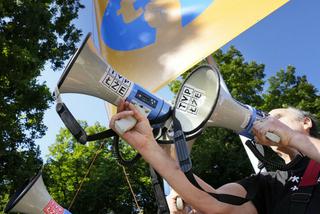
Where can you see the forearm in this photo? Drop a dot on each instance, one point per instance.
(307, 145)
(169, 169)
(204, 185)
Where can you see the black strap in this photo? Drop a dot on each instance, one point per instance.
(76, 130)
(158, 192)
(71, 123)
(101, 135)
(225, 198)
(273, 164)
(181, 147)
(186, 166)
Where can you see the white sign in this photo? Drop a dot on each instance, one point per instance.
(116, 82)
(190, 99)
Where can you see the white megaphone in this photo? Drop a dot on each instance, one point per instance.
(204, 100)
(87, 73)
(33, 198)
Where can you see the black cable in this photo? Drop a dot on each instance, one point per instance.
(118, 156)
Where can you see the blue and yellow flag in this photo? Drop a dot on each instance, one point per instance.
(151, 42)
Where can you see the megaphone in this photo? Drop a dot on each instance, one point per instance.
(87, 73)
(33, 198)
(204, 100)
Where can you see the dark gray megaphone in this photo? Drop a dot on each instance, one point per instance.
(87, 73)
(204, 100)
(33, 198)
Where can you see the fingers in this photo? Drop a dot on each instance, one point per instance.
(119, 116)
(121, 106)
(263, 128)
(125, 105)
(139, 117)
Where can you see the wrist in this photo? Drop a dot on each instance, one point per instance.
(296, 139)
(147, 147)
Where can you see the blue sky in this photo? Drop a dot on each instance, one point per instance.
(289, 36)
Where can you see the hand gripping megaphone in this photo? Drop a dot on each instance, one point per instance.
(33, 198)
(87, 73)
(203, 98)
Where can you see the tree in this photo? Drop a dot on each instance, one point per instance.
(105, 190)
(32, 33)
(287, 89)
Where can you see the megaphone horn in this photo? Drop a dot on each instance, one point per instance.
(33, 198)
(87, 73)
(204, 100)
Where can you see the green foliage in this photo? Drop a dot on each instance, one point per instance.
(218, 157)
(244, 80)
(105, 190)
(287, 89)
(31, 34)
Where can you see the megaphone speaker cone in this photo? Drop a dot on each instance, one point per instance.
(197, 98)
(33, 198)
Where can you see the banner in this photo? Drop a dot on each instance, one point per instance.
(151, 42)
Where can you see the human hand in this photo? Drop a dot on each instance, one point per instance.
(172, 203)
(141, 133)
(261, 128)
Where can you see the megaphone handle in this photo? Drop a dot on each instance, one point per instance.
(125, 124)
(179, 203)
(273, 137)
(129, 122)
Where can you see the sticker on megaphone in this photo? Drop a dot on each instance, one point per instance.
(146, 103)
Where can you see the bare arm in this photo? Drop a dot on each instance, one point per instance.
(141, 138)
(230, 188)
(308, 145)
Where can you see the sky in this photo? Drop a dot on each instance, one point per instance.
(289, 36)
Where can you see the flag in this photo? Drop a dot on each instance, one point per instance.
(151, 42)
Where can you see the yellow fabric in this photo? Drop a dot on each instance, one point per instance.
(176, 47)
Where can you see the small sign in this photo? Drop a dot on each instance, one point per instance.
(53, 208)
(115, 82)
(189, 100)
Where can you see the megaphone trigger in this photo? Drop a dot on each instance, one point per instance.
(273, 137)
(125, 124)
(179, 203)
